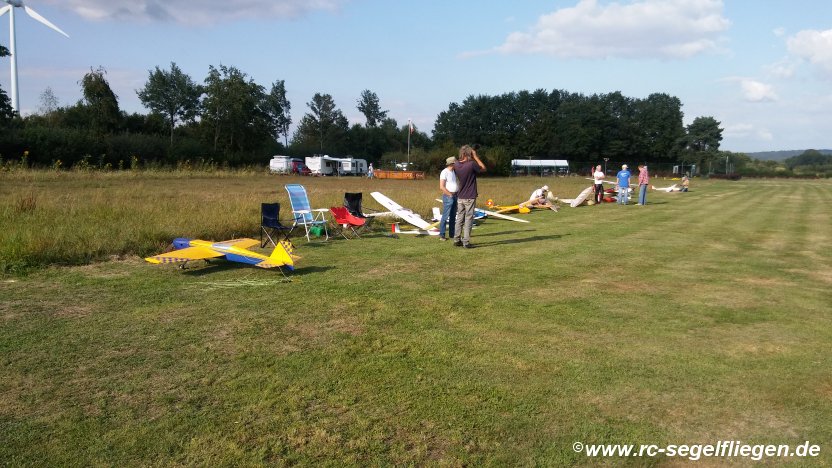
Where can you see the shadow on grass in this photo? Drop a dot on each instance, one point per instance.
(505, 233)
(515, 241)
(302, 271)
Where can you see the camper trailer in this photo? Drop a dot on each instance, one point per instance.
(352, 166)
(323, 165)
(281, 164)
(287, 165)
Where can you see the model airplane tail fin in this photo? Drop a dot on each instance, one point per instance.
(281, 256)
(394, 228)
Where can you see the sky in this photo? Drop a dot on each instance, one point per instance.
(762, 68)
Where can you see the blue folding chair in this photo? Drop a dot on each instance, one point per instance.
(302, 213)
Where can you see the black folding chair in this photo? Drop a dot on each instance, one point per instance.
(270, 224)
(352, 201)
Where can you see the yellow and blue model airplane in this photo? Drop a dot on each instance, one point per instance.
(235, 250)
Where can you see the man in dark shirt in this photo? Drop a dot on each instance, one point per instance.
(466, 169)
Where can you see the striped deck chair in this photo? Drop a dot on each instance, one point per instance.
(302, 213)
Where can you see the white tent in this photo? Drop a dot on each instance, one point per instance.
(539, 166)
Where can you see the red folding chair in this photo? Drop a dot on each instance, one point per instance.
(345, 221)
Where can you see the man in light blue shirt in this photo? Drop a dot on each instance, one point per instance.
(623, 185)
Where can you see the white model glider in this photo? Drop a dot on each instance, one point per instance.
(672, 188)
(407, 215)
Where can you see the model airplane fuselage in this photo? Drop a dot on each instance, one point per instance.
(236, 250)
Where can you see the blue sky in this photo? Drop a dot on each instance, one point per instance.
(763, 68)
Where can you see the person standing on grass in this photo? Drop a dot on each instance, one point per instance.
(598, 175)
(448, 185)
(370, 171)
(685, 184)
(643, 183)
(623, 177)
(466, 169)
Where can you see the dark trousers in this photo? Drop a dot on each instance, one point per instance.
(599, 193)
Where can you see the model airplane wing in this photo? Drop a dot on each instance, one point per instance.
(401, 212)
(244, 243)
(581, 197)
(185, 255)
(604, 181)
(497, 214)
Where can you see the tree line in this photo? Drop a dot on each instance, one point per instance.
(230, 119)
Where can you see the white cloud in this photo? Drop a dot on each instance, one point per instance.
(747, 130)
(753, 90)
(638, 29)
(779, 32)
(756, 91)
(192, 12)
(814, 46)
(782, 69)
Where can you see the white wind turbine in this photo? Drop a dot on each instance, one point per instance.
(11, 5)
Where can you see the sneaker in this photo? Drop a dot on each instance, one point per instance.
(468, 246)
(457, 243)
(442, 238)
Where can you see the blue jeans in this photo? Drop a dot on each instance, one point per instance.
(642, 194)
(623, 195)
(448, 215)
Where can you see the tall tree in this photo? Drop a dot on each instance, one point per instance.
(100, 101)
(325, 125)
(369, 105)
(6, 111)
(278, 108)
(48, 102)
(171, 93)
(233, 110)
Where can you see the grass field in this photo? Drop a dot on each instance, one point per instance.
(701, 317)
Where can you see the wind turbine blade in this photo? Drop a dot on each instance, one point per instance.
(4, 9)
(43, 20)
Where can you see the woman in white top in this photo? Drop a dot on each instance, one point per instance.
(598, 175)
(448, 185)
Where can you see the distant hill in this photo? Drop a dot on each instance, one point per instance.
(781, 155)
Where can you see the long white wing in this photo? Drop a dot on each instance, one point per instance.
(4, 9)
(403, 213)
(43, 20)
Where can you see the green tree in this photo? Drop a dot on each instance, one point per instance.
(369, 105)
(6, 111)
(324, 127)
(100, 101)
(48, 102)
(233, 110)
(702, 142)
(171, 93)
(278, 108)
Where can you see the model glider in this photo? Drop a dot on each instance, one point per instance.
(407, 215)
(480, 213)
(672, 188)
(236, 250)
(574, 202)
(604, 181)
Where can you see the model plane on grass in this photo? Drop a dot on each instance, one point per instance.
(480, 213)
(235, 250)
(672, 188)
(425, 228)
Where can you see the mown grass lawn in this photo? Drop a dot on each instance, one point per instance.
(701, 317)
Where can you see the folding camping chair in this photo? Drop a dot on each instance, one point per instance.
(345, 221)
(302, 213)
(270, 224)
(352, 201)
